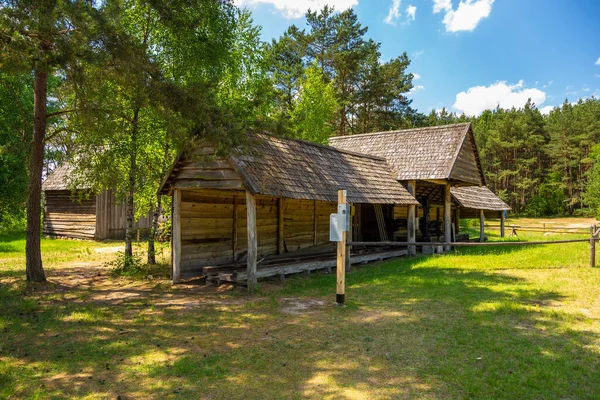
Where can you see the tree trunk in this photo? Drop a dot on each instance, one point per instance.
(155, 215)
(131, 186)
(33, 253)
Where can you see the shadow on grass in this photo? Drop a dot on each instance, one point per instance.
(407, 332)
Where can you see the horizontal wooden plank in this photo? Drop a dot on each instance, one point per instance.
(222, 184)
(208, 174)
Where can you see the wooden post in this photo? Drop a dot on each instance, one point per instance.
(234, 243)
(341, 260)
(592, 246)
(447, 216)
(280, 223)
(481, 226)
(176, 237)
(502, 224)
(412, 220)
(252, 245)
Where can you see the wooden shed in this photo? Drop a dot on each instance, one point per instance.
(81, 214)
(268, 205)
(479, 202)
(431, 162)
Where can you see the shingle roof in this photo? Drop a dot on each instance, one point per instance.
(304, 170)
(60, 178)
(478, 197)
(420, 153)
(298, 169)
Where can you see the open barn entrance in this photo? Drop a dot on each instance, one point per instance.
(377, 222)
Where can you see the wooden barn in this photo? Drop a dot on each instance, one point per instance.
(440, 165)
(265, 211)
(83, 215)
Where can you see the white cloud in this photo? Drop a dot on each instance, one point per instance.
(467, 15)
(416, 89)
(411, 12)
(416, 76)
(442, 5)
(393, 13)
(546, 110)
(479, 98)
(418, 54)
(597, 61)
(597, 75)
(297, 8)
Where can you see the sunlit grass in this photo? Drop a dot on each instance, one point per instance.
(494, 323)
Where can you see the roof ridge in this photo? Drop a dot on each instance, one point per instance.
(324, 146)
(400, 130)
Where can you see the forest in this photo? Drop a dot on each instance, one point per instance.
(117, 88)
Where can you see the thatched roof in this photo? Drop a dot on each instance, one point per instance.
(60, 178)
(298, 169)
(446, 152)
(478, 197)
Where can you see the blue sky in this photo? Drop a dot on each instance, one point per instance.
(473, 54)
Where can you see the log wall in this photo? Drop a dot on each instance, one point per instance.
(111, 218)
(214, 227)
(66, 215)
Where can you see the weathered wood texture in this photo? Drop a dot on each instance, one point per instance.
(111, 216)
(176, 236)
(69, 215)
(466, 166)
(207, 227)
(436, 152)
(207, 171)
(252, 241)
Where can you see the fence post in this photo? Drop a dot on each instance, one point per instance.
(592, 246)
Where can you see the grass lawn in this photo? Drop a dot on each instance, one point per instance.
(500, 323)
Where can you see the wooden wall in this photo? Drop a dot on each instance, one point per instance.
(65, 215)
(111, 218)
(98, 217)
(214, 227)
(465, 167)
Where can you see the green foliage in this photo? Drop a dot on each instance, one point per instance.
(16, 117)
(592, 188)
(125, 265)
(370, 94)
(550, 200)
(314, 108)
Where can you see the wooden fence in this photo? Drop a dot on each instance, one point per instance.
(594, 237)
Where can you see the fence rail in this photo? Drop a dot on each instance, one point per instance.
(594, 237)
(468, 244)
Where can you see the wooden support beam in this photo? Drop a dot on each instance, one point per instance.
(592, 246)
(235, 230)
(176, 237)
(502, 224)
(280, 223)
(341, 259)
(481, 226)
(252, 241)
(412, 219)
(447, 216)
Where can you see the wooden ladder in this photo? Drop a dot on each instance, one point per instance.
(381, 223)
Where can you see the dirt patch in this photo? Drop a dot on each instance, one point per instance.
(295, 306)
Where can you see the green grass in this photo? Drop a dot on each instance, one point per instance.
(501, 323)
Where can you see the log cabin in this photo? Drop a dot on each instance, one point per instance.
(266, 206)
(81, 214)
(440, 166)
